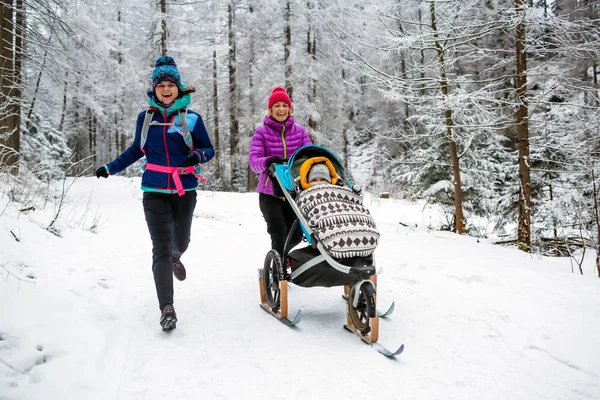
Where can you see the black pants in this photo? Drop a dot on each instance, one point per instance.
(279, 216)
(169, 220)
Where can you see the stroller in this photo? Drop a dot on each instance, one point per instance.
(312, 265)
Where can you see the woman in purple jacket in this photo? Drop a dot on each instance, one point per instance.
(274, 141)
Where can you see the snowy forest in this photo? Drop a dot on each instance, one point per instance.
(489, 108)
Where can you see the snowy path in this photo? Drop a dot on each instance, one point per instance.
(478, 321)
(224, 344)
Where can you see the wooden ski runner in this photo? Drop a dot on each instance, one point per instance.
(373, 334)
(282, 313)
(368, 338)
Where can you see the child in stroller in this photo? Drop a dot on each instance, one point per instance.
(341, 236)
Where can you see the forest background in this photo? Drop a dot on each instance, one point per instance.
(489, 108)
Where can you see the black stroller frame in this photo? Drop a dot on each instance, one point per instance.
(357, 276)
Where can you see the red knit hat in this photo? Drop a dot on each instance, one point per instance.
(279, 94)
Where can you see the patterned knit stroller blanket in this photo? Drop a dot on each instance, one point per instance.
(334, 212)
(339, 220)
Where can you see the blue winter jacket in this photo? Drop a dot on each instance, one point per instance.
(166, 146)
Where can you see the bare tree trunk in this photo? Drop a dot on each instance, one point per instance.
(216, 119)
(95, 137)
(524, 225)
(163, 25)
(422, 51)
(347, 140)
(6, 67)
(9, 108)
(64, 108)
(598, 258)
(90, 130)
(311, 49)
(459, 224)
(118, 131)
(595, 194)
(554, 224)
(123, 138)
(18, 80)
(77, 156)
(403, 73)
(37, 83)
(287, 48)
(110, 137)
(251, 180)
(234, 135)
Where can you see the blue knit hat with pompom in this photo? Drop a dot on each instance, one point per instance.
(165, 69)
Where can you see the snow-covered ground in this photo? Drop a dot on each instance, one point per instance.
(79, 315)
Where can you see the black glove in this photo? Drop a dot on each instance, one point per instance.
(192, 159)
(101, 172)
(275, 160)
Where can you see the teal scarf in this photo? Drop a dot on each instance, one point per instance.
(178, 104)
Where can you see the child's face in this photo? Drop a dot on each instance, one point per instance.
(166, 92)
(280, 111)
(319, 180)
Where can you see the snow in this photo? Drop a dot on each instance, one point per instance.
(79, 315)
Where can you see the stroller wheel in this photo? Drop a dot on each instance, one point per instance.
(364, 309)
(271, 273)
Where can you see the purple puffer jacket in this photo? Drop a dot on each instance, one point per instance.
(274, 138)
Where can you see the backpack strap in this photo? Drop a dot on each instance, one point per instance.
(185, 129)
(145, 127)
(187, 138)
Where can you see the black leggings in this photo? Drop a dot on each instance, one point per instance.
(279, 216)
(169, 220)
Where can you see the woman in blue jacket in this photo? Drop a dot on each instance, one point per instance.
(174, 141)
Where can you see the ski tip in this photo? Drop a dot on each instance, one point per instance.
(388, 353)
(294, 321)
(298, 317)
(392, 306)
(389, 310)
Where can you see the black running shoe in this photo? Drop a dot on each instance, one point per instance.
(179, 270)
(168, 318)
